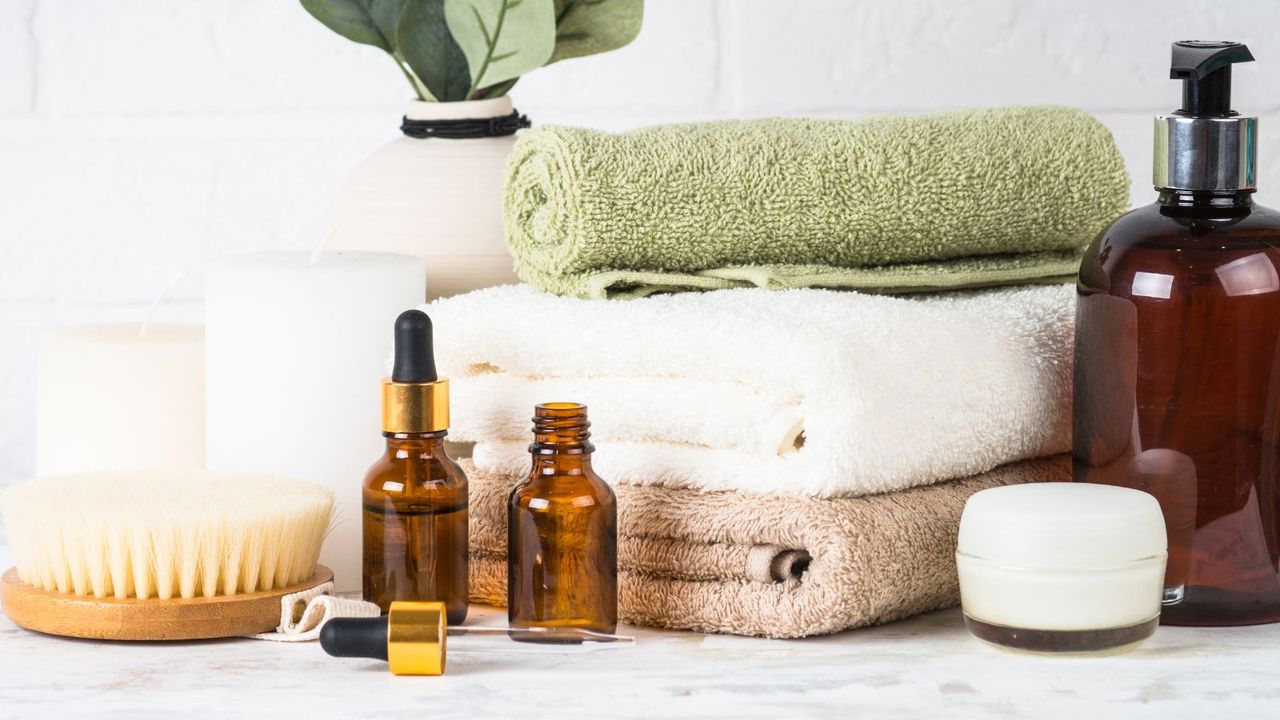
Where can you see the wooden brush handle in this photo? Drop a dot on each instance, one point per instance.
(110, 619)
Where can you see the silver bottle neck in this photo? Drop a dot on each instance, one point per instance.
(1216, 154)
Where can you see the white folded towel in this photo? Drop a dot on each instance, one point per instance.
(800, 391)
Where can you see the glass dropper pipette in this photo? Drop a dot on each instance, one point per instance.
(413, 635)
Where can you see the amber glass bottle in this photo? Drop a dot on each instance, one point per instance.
(415, 519)
(415, 497)
(1177, 372)
(562, 532)
(1178, 392)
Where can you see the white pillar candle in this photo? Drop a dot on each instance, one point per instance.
(111, 397)
(296, 347)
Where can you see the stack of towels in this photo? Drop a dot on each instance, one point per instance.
(793, 462)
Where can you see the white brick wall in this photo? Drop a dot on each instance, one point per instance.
(139, 137)
(17, 57)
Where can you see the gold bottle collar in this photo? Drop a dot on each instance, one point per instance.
(416, 634)
(415, 407)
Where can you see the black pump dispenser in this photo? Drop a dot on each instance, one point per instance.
(1206, 147)
(1204, 67)
(415, 360)
(1177, 346)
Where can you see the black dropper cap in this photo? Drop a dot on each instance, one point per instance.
(415, 360)
(355, 637)
(1204, 67)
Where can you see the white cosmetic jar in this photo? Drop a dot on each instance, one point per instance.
(1061, 567)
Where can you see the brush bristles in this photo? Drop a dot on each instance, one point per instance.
(180, 534)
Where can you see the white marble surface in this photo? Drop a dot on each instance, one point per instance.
(926, 667)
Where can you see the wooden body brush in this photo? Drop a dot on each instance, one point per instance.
(160, 555)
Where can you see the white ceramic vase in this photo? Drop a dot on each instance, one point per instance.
(437, 198)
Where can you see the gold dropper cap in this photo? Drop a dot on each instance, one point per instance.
(414, 398)
(419, 407)
(416, 633)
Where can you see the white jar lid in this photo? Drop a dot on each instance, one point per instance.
(1065, 524)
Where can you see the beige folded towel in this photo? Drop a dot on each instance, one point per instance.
(768, 565)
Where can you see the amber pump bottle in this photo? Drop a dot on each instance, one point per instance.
(1177, 371)
(562, 557)
(415, 496)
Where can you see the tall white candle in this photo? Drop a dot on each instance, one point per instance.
(296, 347)
(111, 397)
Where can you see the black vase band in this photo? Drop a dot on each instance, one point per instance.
(466, 128)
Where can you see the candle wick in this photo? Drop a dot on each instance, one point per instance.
(315, 254)
(163, 295)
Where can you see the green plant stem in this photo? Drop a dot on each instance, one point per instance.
(418, 87)
(493, 46)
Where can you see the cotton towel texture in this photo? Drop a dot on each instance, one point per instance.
(701, 561)
(963, 199)
(805, 392)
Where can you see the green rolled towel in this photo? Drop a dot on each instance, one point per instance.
(973, 198)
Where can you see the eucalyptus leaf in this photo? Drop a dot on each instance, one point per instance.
(371, 22)
(502, 39)
(453, 50)
(496, 90)
(434, 56)
(588, 27)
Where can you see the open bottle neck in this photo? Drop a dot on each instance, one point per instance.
(561, 436)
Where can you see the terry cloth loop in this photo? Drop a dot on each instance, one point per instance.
(466, 128)
(773, 564)
(318, 606)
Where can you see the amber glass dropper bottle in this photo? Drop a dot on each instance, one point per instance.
(562, 557)
(415, 496)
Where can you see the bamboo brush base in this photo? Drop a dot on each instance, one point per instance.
(111, 619)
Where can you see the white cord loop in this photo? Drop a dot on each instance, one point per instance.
(302, 614)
